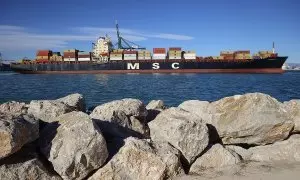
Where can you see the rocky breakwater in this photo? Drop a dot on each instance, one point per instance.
(243, 136)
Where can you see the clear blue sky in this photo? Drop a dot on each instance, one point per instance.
(205, 26)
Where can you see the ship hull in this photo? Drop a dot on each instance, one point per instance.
(271, 65)
(5, 67)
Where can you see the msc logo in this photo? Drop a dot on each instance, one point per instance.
(154, 66)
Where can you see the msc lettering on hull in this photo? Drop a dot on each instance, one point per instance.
(154, 66)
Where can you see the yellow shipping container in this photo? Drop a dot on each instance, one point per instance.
(174, 51)
(42, 57)
(115, 55)
(143, 51)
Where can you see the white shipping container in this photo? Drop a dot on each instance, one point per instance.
(116, 58)
(69, 59)
(159, 54)
(158, 57)
(174, 57)
(129, 58)
(144, 58)
(189, 57)
(129, 55)
(189, 54)
(84, 59)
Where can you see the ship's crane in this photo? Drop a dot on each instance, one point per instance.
(127, 44)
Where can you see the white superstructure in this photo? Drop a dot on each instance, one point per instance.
(102, 47)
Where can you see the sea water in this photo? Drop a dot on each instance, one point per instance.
(173, 89)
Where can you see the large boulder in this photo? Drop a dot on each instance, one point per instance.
(242, 152)
(74, 145)
(155, 104)
(184, 130)
(13, 108)
(75, 101)
(200, 108)
(154, 107)
(48, 110)
(284, 151)
(26, 164)
(15, 132)
(215, 158)
(253, 118)
(293, 111)
(140, 159)
(122, 118)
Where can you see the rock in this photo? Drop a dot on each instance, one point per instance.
(122, 118)
(184, 130)
(216, 157)
(155, 104)
(15, 132)
(74, 145)
(293, 111)
(287, 151)
(48, 110)
(14, 108)
(248, 171)
(253, 118)
(25, 164)
(140, 159)
(243, 153)
(200, 108)
(75, 101)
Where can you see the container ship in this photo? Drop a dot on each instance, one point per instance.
(128, 57)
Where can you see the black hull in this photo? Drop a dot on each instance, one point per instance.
(5, 67)
(273, 65)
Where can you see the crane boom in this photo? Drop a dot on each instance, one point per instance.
(126, 42)
(119, 37)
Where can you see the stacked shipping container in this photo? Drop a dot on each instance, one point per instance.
(130, 55)
(144, 55)
(159, 53)
(189, 55)
(116, 55)
(227, 55)
(56, 56)
(84, 56)
(71, 55)
(43, 56)
(175, 53)
(242, 55)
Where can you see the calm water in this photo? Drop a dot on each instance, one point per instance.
(172, 88)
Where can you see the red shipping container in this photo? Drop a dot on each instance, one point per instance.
(159, 50)
(84, 56)
(43, 54)
(175, 48)
(70, 54)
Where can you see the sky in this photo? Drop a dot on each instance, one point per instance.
(206, 26)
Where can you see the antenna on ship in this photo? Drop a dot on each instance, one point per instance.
(273, 48)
